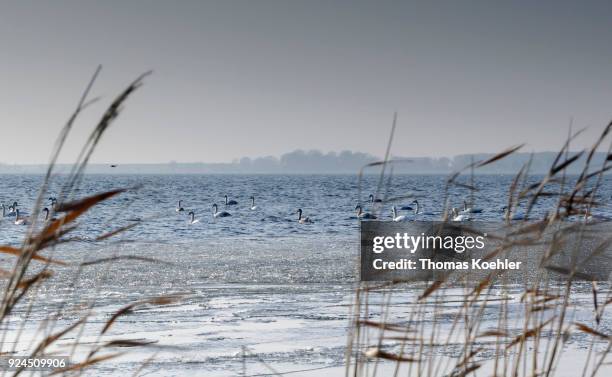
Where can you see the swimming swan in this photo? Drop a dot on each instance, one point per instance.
(512, 216)
(46, 211)
(253, 206)
(467, 209)
(179, 207)
(364, 215)
(396, 217)
(417, 209)
(219, 214)
(21, 220)
(231, 202)
(12, 210)
(456, 216)
(193, 220)
(303, 220)
(372, 200)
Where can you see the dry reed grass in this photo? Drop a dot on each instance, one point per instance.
(426, 340)
(22, 282)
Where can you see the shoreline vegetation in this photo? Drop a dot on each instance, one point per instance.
(539, 339)
(33, 263)
(316, 162)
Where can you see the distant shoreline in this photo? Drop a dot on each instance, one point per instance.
(372, 174)
(315, 162)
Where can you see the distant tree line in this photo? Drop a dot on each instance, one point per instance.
(345, 162)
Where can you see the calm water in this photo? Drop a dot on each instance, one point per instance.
(328, 200)
(257, 279)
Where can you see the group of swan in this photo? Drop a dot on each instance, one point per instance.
(21, 218)
(465, 213)
(191, 214)
(456, 215)
(14, 212)
(417, 210)
(217, 214)
(414, 206)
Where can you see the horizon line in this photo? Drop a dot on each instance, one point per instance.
(278, 157)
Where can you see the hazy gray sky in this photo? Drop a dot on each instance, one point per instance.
(253, 78)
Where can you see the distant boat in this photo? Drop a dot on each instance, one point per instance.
(113, 166)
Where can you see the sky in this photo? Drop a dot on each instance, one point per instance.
(257, 78)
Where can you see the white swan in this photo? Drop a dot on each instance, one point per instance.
(303, 220)
(467, 209)
(372, 200)
(219, 214)
(21, 220)
(364, 215)
(231, 202)
(417, 209)
(179, 207)
(456, 216)
(396, 217)
(193, 220)
(253, 206)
